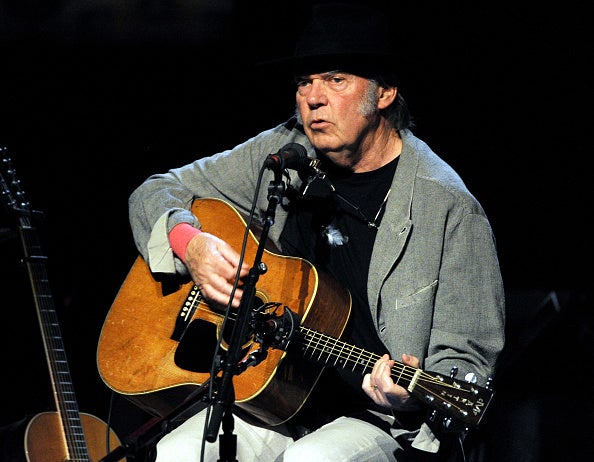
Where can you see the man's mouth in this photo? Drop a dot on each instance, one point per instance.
(317, 124)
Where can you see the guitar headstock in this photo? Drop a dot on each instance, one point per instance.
(13, 197)
(11, 194)
(453, 401)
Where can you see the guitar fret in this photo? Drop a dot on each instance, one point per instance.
(368, 363)
(339, 355)
(325, 349)
(71, 412)
(348, 356)
(397, 379)
(75, 427)
(318, 347)
(309, 339)
(357, 362)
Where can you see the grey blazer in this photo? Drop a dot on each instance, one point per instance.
(435, 287)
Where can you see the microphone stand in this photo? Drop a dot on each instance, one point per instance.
(147, 435)
(226, 395)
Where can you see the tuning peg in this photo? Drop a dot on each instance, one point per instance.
(471, 377)
(432, 416)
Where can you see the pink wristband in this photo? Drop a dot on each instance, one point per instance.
(180, 236)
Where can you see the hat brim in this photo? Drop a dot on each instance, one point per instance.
(363, 64)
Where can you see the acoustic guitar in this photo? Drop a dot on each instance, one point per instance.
(158, 340)
(65, 435)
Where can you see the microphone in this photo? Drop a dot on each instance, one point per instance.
(273, 330)
(292, 155)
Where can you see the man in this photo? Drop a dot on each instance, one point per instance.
(387, 218)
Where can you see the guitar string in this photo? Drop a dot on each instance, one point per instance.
(368, 358)
(371, 357)
(360, 353)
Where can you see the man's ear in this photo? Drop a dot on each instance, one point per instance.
(387, 96)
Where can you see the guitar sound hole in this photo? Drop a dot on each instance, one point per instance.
(197, 347)
(198, 344)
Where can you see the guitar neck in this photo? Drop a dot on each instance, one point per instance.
(336, 353)
(457, 401)
(52, 340)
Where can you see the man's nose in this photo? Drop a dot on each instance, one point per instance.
(317, 95)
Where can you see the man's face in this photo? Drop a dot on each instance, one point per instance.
(337, 110)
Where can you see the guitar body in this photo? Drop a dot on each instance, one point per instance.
(44, 440)
(159, 337)
(41, 439)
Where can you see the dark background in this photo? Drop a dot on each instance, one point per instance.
(95, 96)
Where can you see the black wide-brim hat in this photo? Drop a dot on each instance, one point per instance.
(343, 36)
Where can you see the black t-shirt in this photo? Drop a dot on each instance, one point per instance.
(333, 226)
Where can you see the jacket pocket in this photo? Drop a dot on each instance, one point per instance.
(421, 294)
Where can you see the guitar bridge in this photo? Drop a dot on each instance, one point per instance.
(186, 313)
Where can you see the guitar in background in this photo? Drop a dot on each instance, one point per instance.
(67, 434)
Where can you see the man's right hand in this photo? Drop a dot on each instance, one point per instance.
(212, 264)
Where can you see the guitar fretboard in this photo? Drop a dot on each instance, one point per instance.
(54, 345)
(460, 400)
(336, 353)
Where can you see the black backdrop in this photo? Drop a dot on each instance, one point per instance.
(97, 97)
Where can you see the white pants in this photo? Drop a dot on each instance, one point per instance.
(343, 440)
